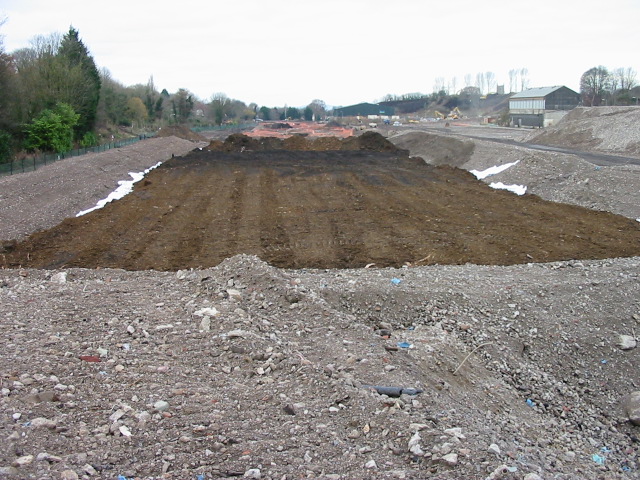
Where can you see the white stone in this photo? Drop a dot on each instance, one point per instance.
(627, 342)
(631, 407)
(450, 459)
(60, 277)
(252, 473)
(493, 448)
(532, 476)
(206, 312)
(371, 464)
(22, 461)
(161, 406)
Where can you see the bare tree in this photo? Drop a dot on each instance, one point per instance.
(453, 85)
(439, 85)
(467, 80)
(481, 83)
(490, 81)
(623, 78)
(594, 85)
(513, 80)
(524, 79)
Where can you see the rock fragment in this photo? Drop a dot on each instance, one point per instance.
(631, 407)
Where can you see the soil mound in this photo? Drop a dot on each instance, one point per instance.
(604, 129)
(436, 149)
(239, 142)
(180, 131)
(336, 209)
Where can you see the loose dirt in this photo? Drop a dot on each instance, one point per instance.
(366, 203)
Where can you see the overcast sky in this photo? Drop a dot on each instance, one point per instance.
(277, 52)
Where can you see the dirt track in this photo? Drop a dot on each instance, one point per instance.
(338, 209)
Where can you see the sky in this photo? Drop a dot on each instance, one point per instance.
(290, 52)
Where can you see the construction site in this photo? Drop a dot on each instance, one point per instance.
(304, 300)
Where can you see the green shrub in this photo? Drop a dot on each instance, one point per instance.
(89, 139)
(52, 130)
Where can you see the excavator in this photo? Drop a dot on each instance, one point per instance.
(455, 114)
(439, 116)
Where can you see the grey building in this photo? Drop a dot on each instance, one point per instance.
(541, 107)
(363, 109)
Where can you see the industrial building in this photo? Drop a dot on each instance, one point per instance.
(541, 107)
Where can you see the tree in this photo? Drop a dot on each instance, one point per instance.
(219, 107)
(7, 93)
(182, 104)
(137, 111)
(52, 130)
(524, 79)
(594, 85)
(86, 86)
(308, 113)
(265, 113)
(319, 109)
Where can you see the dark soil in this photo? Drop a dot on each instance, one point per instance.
(343, 208)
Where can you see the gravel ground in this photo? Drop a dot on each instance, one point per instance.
(43, 198)
(246, 370)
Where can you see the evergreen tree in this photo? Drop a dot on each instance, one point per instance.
(87, 86)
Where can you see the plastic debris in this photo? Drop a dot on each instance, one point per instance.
(404, 345)
(598, 459)
(531, 403)
(393, 391)
(396, 281)
(603, 361)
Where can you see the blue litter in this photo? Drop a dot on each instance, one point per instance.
(396, 281)
(404, 345)
(531, 403)
(603, 361)
(200, 476)
(598, 459)
(605, 450)
(122, 477)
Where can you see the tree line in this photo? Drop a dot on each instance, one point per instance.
(600, 86)
(53, 97)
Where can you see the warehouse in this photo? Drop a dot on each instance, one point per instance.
(541, 107)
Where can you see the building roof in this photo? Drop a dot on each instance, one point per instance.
(537, 92)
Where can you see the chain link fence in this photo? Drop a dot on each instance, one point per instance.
(34, 162)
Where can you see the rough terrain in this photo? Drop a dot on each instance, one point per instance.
(365, 202)
(249, 370)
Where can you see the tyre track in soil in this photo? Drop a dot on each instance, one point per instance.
(323, 210)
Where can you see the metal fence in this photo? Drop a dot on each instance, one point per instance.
(31, 163)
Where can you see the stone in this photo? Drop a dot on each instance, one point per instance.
(495, 449)
(627, 342)
(205, 324)
(532, 476)
(41, 422)
(414, 445)
(60, 277)
(450, 459)
(206, 312)
(371, 464)
(23, 461)
(68, 475)
(252, 473)
(631, 407)
(161, 406)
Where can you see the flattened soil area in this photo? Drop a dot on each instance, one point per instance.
(322, 209)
